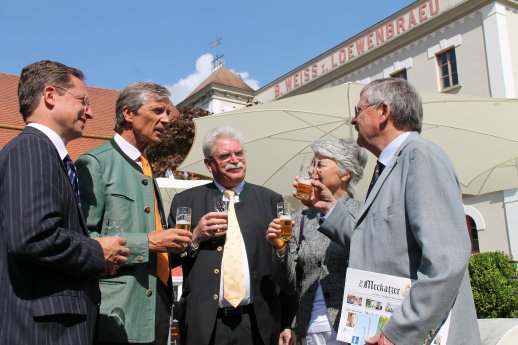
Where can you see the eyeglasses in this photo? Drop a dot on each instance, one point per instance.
(358, 110)
(225, 157)
(82, 98)
(322, 165)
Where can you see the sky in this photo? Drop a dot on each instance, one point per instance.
(116, 42)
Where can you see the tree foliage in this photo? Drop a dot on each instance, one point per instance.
(494, 288)
(176, 143)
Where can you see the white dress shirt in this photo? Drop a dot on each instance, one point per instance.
(389, 151)
(54, 137)
(129, 150)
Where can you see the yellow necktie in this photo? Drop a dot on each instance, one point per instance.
(233, 284)
(162, 259)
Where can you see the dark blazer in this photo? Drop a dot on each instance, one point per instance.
(202, 269)
(48, 264)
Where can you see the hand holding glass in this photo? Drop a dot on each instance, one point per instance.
(284, 215)
(183, 219)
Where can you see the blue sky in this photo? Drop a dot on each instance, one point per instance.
(116, 42)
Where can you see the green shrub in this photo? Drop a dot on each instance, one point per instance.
(493, 287)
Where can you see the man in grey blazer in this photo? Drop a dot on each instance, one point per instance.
(48, 264)
(412, 224)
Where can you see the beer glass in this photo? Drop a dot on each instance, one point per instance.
(221, 204)
(284, 215)
(114, 228)
(183, 219)
(304, 187)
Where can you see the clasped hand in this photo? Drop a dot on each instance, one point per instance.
(273, 232)
(212, 225)
(169, 240)
(115, 254)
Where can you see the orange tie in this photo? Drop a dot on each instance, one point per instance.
(162, 259)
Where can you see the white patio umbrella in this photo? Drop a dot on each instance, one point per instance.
(169, 186)
(478, 134)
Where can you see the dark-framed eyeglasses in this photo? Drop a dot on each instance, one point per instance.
(85, 101)
(358, 110)
(225, 157)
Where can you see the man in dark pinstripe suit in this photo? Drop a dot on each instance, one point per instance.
(48, 265)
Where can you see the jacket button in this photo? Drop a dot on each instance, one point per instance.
(140, 258)
(220, 248)
(147, 209)
(145, 181)
(216, 271)
(215, 297)
(149, 293)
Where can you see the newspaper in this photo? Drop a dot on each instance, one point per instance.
(369, 301)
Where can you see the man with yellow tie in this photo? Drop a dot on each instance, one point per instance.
(116, 184)
(229, 295)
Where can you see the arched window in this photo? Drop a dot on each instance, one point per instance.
(475, 222)
(473, 235)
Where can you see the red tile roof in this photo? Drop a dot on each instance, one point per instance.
(96, 132)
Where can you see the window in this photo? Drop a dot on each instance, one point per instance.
(448, 68)
(473, 235)
(400, 74)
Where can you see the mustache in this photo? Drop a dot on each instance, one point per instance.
(231, 166)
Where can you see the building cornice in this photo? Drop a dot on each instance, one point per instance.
(215, 87)
(451, 14)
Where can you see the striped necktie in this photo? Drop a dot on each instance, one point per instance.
(72, 175)
(162, 259)
(375, 176)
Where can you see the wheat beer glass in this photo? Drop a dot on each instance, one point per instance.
(183, 219)
(221, 204)
(304, 187)
(284, 215)
(114, 228)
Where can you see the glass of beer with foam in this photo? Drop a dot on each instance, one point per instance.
(183, 219)
(304, 187)
(284, 216)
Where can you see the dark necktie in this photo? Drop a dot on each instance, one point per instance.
(375, 176)
(72, 175)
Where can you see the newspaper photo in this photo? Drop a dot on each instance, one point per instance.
(369, 301)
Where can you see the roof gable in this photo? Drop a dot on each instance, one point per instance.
(223, 76)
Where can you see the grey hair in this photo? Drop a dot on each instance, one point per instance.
(133, 96)
(210, 138)
(348, 156)
(405, 102)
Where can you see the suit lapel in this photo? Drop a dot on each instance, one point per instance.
(39, 133)
(383, 177)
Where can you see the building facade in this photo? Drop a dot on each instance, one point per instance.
(446, 46)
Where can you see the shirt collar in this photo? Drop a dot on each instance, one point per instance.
(391, 149)
(53, 136)
(237, 189)
(129, 150)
